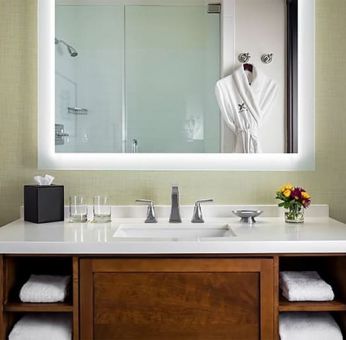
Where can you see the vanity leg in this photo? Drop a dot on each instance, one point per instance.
(267, 298)
(75, 288)
(87, 298)
(276, 296)
(2, 323)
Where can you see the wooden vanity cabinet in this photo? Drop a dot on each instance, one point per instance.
(219, 298)
(177, 299)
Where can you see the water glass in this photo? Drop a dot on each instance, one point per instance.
(102, 209)
(78, 209)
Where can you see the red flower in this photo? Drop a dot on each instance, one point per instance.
(297, 194)
(306, 203)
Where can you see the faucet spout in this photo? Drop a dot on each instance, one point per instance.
(175, 210)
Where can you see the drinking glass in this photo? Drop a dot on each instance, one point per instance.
(78, 209)
(101, 209)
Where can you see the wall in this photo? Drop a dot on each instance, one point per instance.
(18, 109)
(264, 27)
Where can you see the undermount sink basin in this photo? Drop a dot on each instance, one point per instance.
(181, 232)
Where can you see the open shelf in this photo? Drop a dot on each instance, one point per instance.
(331, 268)
(15, 270)
(19, 307)
(311, 306)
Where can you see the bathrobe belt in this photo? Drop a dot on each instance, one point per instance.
(249, 138)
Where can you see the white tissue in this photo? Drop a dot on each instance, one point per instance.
(44, 180)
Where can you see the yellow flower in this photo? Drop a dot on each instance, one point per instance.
(305, 195)
(287, 193)
(285, 187)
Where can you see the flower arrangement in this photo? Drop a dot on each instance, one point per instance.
(295, 199)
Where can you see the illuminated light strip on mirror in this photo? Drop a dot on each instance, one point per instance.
(303, 160)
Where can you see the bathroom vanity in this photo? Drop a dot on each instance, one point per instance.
(218, 280)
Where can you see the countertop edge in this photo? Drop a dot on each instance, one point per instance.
(273, 236)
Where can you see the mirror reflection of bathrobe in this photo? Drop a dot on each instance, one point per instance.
(244, 100)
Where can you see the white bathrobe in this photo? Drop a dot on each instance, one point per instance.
(244, 100)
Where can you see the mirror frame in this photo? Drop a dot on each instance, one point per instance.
(303, 100)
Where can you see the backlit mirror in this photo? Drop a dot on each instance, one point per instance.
(172, 77)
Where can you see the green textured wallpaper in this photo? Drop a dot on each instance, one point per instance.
(18, 107)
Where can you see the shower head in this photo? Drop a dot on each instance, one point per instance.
(73, 52)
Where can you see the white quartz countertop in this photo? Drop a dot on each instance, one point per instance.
(268, 235)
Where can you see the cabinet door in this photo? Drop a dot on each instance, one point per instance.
(173, 299)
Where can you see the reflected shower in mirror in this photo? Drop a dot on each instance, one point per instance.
(145, 77)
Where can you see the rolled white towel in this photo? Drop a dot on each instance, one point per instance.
(305, 286)
(44, 289)
(42, 327)
(308, 326)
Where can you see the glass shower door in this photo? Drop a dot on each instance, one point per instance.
(89, 57)
(172, 63)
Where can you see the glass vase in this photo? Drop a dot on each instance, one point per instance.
(294, 215)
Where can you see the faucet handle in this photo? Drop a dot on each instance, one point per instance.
(208, 200)
(145, 201)
(197, 216)
(151, 216)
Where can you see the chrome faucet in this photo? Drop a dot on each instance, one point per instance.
(175, 210)
(197, 216)
(151, 216)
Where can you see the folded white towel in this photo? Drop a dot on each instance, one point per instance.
(44, 289)
(42, 327)
(308, 326)
(305, 286)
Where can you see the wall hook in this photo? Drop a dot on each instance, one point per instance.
(244, 57)
(267, 58)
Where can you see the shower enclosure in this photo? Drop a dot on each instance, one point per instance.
(137, 78)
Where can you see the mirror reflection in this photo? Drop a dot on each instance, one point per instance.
(147, 77)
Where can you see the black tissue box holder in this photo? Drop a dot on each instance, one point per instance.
(43, 203)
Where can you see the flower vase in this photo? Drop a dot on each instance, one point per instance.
(295, 215)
